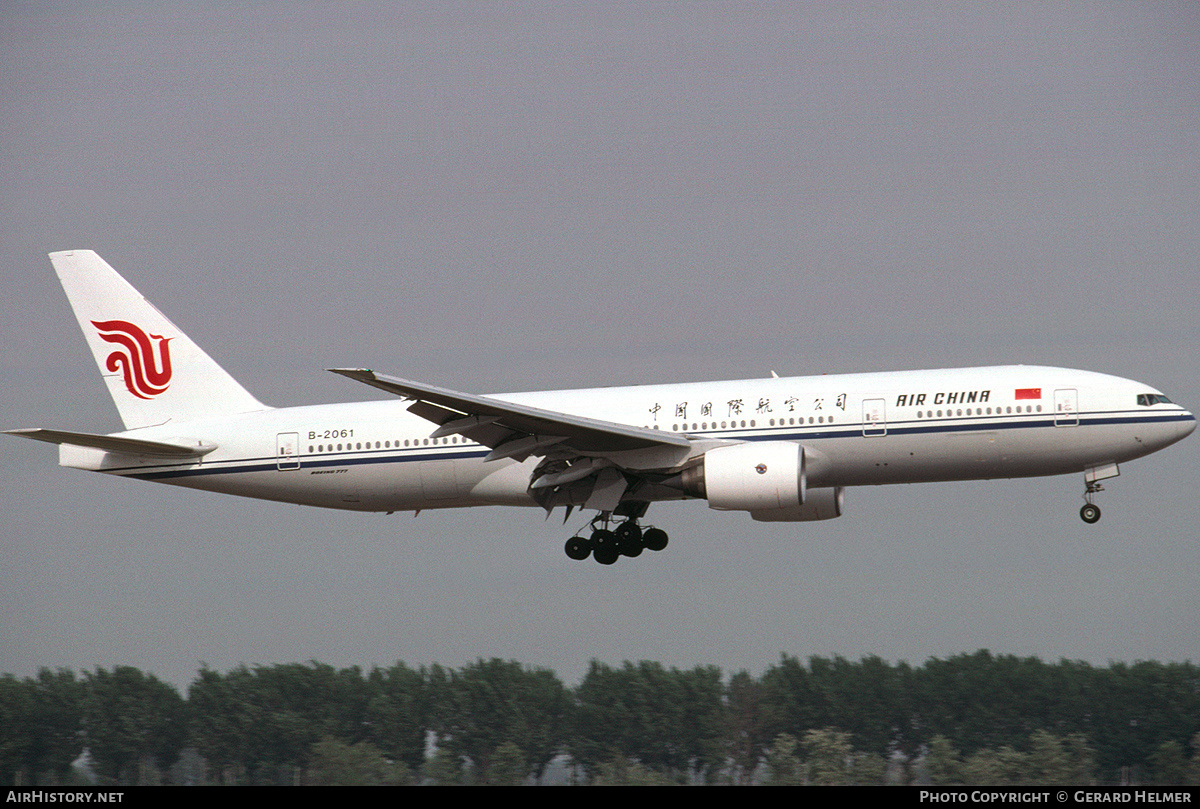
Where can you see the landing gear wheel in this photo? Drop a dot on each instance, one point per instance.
(578, 548)
(629, 538)
(1090, 513)
(654, 539)
(605, 549)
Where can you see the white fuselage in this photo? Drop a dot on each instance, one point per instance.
(856, 429)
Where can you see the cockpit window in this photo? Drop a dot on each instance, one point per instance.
(1148, 399)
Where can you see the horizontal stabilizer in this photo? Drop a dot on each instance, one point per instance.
(115, 443)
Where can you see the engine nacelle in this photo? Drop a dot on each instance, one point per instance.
(766, 478)
(754, 476)
(819, 504)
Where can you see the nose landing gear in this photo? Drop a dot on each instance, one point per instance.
(606, 546)
(1092, 476)
(1090, 512)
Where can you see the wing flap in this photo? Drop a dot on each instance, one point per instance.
(522, 447)
(463, 426)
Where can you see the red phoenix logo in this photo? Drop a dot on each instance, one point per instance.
(145, 375)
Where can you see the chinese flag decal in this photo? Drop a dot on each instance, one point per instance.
(1028, 393)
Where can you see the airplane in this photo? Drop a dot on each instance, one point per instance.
(779, 449)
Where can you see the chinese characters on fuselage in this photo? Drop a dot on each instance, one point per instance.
(736, 407)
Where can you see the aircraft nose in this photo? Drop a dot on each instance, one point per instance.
(1187, 425)
(1184, 425)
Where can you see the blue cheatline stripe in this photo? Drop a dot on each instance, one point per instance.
(810, 433)
(269, 464)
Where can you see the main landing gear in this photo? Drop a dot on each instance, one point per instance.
(606, 546)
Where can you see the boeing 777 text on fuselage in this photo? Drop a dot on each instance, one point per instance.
(781, 449)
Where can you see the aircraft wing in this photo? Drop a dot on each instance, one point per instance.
(515, 430)
(585, 462)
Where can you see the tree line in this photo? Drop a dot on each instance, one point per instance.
(972, 718)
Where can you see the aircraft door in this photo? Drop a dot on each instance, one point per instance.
(874, 417)
(1066, 407)
(287, 451)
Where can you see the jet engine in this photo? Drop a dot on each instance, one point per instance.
(766, 478)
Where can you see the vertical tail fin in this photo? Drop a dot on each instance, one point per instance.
(154, 372)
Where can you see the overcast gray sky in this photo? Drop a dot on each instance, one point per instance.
(519, 196)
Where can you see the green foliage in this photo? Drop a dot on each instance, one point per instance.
(670, 721)
(490, 703)
(868, 769)
(1168, 765)
(827, 757)
(1050, 760)
(622, 772)
(40, 721)
(133, 723)
(39, 727)
(870, 700)
(784, 768)
(1193, 770)
(57, 704)
(975, 718)
(397, 713)
(261, 725)
(16, 730)
(987, 767)
(942, 763)
(444, 769)
(335, 763)
(223, 722)
(1081, 760)
(508, 766)
(746, 727)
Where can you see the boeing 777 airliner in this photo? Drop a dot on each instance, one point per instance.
(781, 449)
